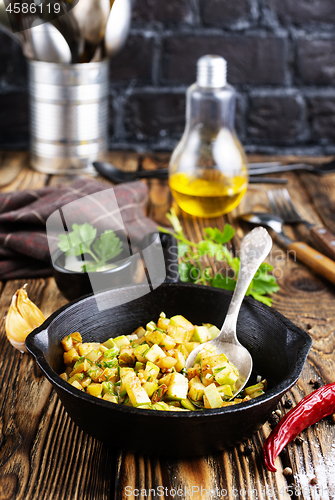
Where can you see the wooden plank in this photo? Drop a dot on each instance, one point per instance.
(26, 179)
(43, 454)
(322, 196)
(11, 164)
(159, 192)
(121, 159)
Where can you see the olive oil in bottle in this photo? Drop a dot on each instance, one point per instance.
(208, 175)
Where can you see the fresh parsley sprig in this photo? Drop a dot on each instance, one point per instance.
(214, 245)
(82, 240)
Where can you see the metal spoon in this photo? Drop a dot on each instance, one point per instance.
(92, 17)
(254, 248)
(118, 26)
(49, 45)
(119, 176)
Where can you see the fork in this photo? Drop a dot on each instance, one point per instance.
(282, 205)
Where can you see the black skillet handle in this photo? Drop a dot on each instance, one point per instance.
(170, 251)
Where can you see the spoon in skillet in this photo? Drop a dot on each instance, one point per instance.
(254, 248)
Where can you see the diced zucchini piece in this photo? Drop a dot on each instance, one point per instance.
(67, 343)
(213, 362)
(167, 362)
(179, 320)
(196, 390)
(77, 385)
(76, 337)
(154, 353)
(139, 366)
(207, 379)
(81, 367)
(107, 387)
(110, 397)
(225, 391)
(109, 343)
(178, 386)
(213, 330)
(151, 326)
(93, 355)
(162, 315)
(225, 375)
(121, 341)
(163, 323)
(183, 350)
(150, 387)
(131, 337)
(135, 391)
(140, 332)
(201, 334)
(111, 352)
(161, 339)
(140, 351)
(165, 380)
(254, 388)
(94, 389)
(187, 404)
(151, 371)
(95, 373)
(85, 382)
(181, 362)
(77, 376)
(108, 374)
(87, 347)
(191, 345)
(124, 370)
(179, 334)
(127, 355)
(213, 398)
(194, 371)
(70, 356)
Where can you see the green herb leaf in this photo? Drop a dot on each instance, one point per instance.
(224, 282)
(220, 236)
(107, 246)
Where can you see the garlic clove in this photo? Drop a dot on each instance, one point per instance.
(22, 318)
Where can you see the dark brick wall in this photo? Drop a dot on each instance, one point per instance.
(281, 59)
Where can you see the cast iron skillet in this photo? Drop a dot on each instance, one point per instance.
(278, 347)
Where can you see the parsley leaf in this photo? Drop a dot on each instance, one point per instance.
(220, 236)
(82, 240)
(214, 245)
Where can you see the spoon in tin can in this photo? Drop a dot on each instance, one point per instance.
(255, 247)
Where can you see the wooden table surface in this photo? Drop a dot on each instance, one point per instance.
(44, 456)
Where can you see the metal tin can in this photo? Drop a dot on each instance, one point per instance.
(68, 116)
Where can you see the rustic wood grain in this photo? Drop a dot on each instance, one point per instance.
(11, 163)
(44, 456)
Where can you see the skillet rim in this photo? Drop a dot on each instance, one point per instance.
(275, 392)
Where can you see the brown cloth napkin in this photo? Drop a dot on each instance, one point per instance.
(24, 250)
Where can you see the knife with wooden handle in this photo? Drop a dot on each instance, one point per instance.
(308, 255)
(324, 240)
(314, 259)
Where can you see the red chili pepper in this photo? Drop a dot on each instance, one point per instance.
(311, 409)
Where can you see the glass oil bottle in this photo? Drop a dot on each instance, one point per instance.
(208, 173)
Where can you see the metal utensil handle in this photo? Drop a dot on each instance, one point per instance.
(254, 248)
(254, 179)
(162, 173)
(324, 239)
(278, 169)
(314, 259)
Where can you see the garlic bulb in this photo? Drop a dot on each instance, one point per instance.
(22, 318)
